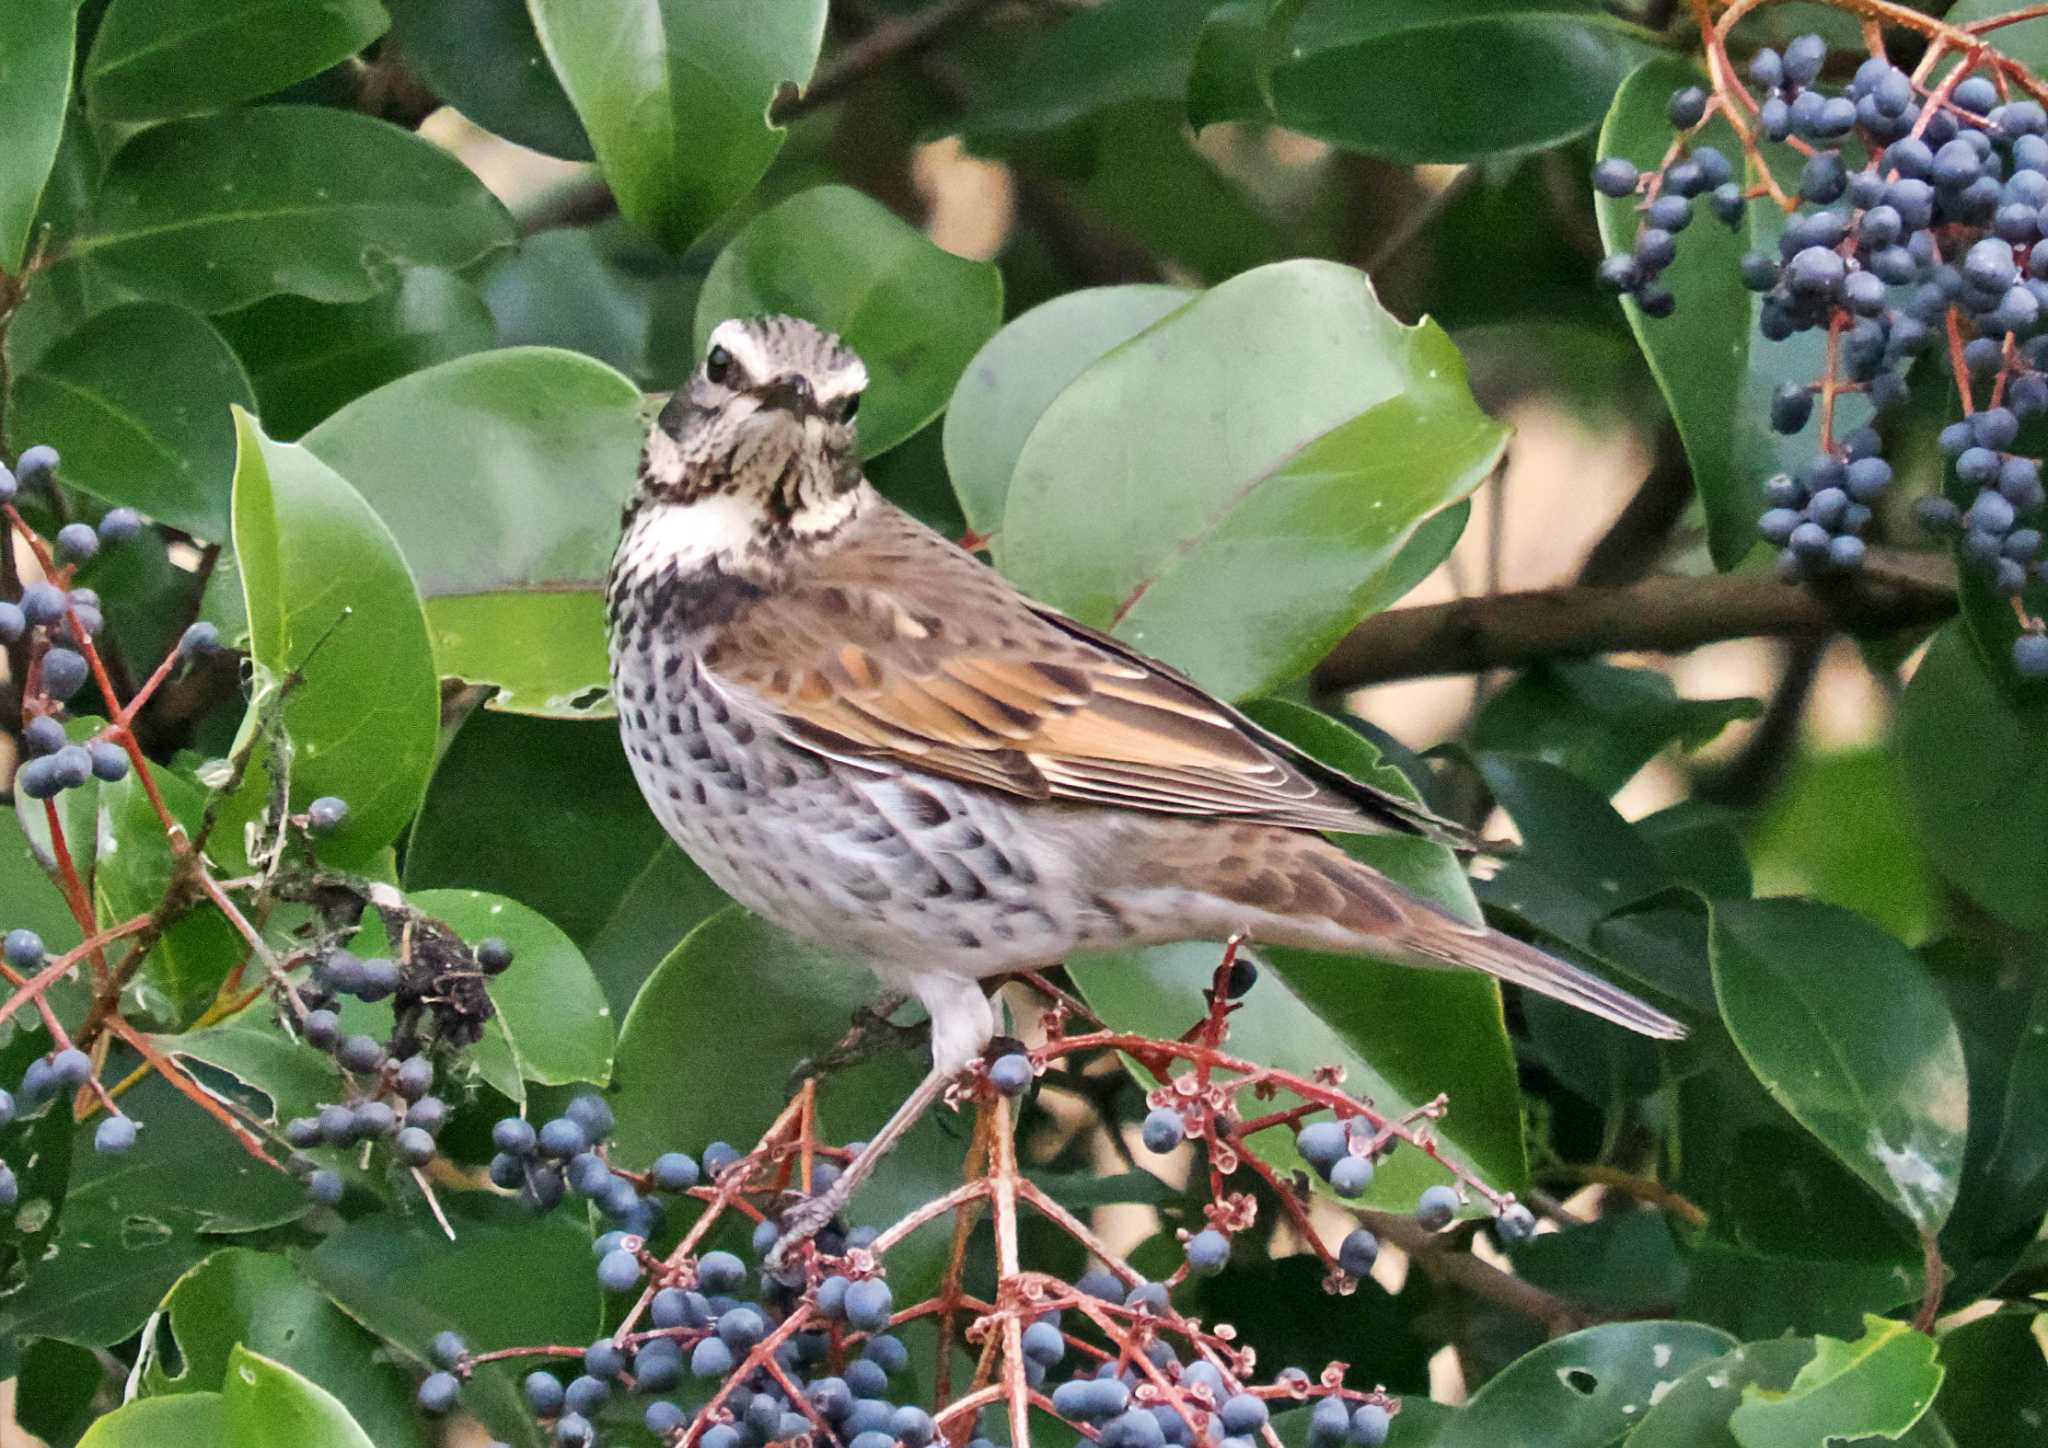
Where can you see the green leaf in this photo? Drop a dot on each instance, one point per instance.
(225, 210)
(1878, 1385)
(195, 1420)
(258, 1301)
(1584, 1390)
(56, 1390)
(1838, 828)
(327, 592)
(1227, 493)
(308, 360)
(1846, 1031)
(155, 59)
(914, 312)
(484, 58)
(1600, 721)
(133, 1224)
(1016, 375)
(1695, 1412)
(1622, 1265)
(675, 97)
(553, 1026)
(1994, 1380)
(1402, 1035)
(1105, 56)
(1979, 795)
(535, 450)
(137, 402)
(1715, 372)
(509, 1279)
(35, 76)
(265, 1402)
(249, 1047)
(1395, 81)
(739, 983)
(625, 894)
(184, 969)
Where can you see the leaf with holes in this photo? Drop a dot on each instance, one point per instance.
(1228, 490)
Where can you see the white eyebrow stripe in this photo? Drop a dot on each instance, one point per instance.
(736, 338)
(844, 383)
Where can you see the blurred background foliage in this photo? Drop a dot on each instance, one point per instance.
(1263, 331)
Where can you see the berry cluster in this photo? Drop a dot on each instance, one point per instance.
(1911, 233)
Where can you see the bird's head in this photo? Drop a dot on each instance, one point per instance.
(766, 421)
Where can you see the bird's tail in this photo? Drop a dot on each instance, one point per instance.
(1286, 887)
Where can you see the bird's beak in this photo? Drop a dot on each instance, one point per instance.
(792, 394)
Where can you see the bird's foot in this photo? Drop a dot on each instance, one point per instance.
(800, 1223)
(871, 1034)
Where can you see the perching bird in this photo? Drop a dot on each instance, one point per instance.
(872, 739)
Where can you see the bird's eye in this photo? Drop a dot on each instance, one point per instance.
(849, 407)
(718, 364)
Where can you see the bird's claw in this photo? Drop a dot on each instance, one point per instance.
(800, 1224)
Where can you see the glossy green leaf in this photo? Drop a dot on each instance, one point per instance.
(553, 1026)
(1715, 372)
(1623, 1265)
(1979, 795)
(535, 450)
(1017, 374)
(509, 1279)
(155, 59)
(133, 1224)
(184, 969)
(1102, 57)
(328, 594)
(251, 1047)
(1695, 1412)
(1879, 1385)
(1395, 81)
(914, 312)
(625, 893)
(264, 1403)
(307, 360)
(737, 979)
(1994, 1380)
(225, 210)
(675, 94)
(1838, 828)
(1584, 1390)
(1845, 1029)
(137, 402)
(484, 58)
(39, 1147)
(259, 1301)
(1226, 493)
(1402, 1035)
(195, 1420)
(1600, 721)
(35, 76)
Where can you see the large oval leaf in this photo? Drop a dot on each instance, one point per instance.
(154, 59)
(225, 210)
(1978, 794)
(193, 1420)
(675, 94)
(1227, 490)
(1845, 1029)
(553, 1026)
(265, 1403)
(534, 450)
(327, 592)
(1015, 377)
(1584, 1390)
(914, 311)
(1716, 373)
(484, 58)
(35, 76)
(1877, 1386)
(261, 1302)
(137, 402)
(1402, 1035)
(307, 360)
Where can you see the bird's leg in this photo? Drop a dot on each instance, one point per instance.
(809, 1217)
(871, 1033)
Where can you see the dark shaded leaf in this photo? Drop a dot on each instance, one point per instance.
(1600, 721)
(484, 58)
